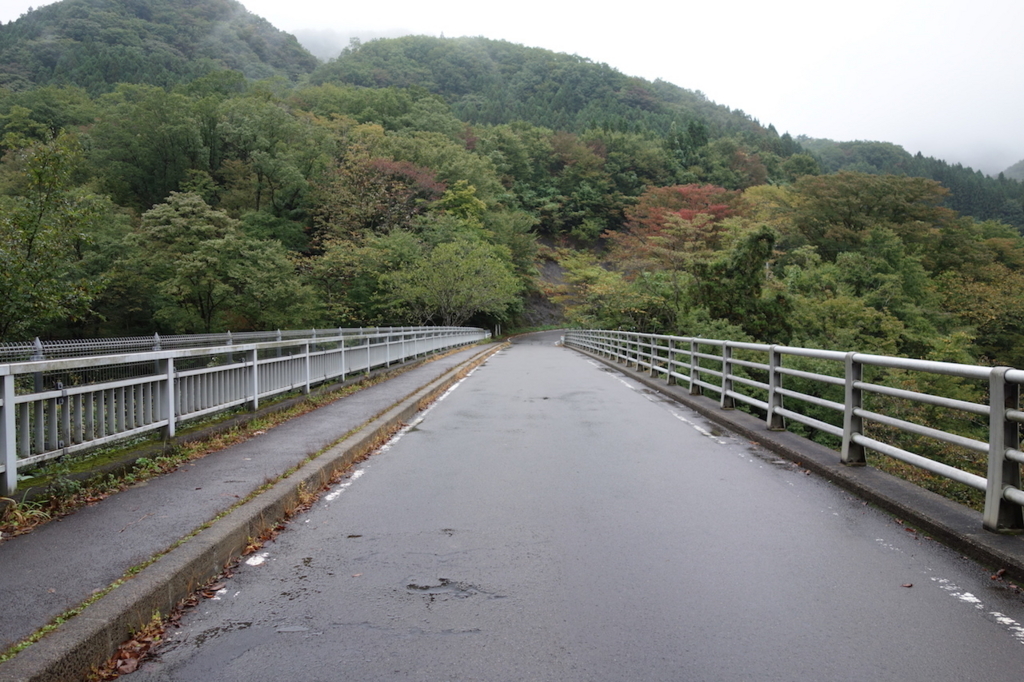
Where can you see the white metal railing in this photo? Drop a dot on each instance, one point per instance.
(713, 365)
(53, 407)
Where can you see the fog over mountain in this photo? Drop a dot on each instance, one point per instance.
(941, 77)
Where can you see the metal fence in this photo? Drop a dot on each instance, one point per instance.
(67, 397)
(830, 392)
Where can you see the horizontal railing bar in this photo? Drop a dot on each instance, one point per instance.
(911, 427)
(1015, 495)
(813, 399)
(958, 475)
(1015, 416)
(747, 363)
(747, 399)
(925, 398)
(812, 353)
(930, 366)
(705, 384)
(192, 414)
(746, 345)
(810, 421)
(79, 389)
(750, 382)
(90, 361)
(201, 371)
(706, 356)
(813, 376)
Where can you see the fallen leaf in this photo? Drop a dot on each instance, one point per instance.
(128, 665)
(356, 575)
(908, 584)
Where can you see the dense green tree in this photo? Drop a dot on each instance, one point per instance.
(204, 274)
(146, 140)
(45, 223)
(455, 282)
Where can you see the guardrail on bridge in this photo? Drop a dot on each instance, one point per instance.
(65, 397)
(756, 379)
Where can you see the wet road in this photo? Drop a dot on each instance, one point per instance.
(550, 520)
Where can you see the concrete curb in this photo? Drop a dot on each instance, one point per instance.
(952, 524)
(88, 640)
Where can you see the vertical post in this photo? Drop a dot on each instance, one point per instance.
(254, 380)
(652, 355)
(853, 423)
(727, 401)
(8, 448)
(694, 368)
(669, 363)
(305, 354)
(37, 405)
(156, 347)
(775, 421)
(343, 372)
(1001, 515)
(167, 400)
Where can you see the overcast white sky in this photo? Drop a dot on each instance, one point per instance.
(944, 77)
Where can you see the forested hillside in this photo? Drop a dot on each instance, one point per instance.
(971, 192)
(425, 180)
(1016, 171)
(96, 44)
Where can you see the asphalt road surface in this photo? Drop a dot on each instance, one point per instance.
(551, 520)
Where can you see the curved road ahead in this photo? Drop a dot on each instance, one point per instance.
(550, 520)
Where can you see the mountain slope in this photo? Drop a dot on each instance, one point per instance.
(95, 44)
(1016, 171)
(493, 82)
(971, 192)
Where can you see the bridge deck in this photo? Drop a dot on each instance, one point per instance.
(551, 520)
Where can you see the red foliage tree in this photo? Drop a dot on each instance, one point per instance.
(684, 201)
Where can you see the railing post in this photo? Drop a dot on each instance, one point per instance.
(775, 421)
(853, 424)
(343, 344)
(37, 405)
(7, 440)
(695, 388)
(254, 379)
(1001, 515)
(727, 401)
(168, 402)
(305, 355)
(669, 359)
(156, 347)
